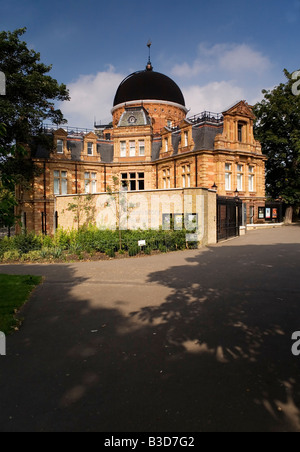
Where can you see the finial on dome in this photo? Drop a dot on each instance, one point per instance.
(149, 66)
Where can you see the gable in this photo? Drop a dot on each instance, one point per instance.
(242, 108)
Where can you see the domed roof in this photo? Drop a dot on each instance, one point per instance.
(148, 85)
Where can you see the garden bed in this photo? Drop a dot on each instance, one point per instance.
(90, 245)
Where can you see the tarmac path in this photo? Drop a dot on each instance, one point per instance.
(193, 341)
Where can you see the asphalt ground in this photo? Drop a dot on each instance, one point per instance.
(193, 341)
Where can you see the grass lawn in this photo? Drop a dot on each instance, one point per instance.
(14, 292)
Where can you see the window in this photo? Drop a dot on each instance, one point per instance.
(166, 145)
(90, 183)
(166, 179)
(142, 148)
(251, 178)
(135, 181)
(90, 148)
(242, 130)
(228, 177)
(186, 139)
(60, 182)
(186, 176)
(170, 124)
(60, 147)
(132, 148)
(240, 177)
(123, 149)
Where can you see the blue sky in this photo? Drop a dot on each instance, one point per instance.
(218, 52)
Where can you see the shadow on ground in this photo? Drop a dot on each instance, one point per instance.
(215, 355)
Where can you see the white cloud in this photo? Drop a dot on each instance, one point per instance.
(228, 58)
(215, 96)
(186, 70)
(91, 97)
(243, 58)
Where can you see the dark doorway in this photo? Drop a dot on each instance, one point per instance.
(230, 217)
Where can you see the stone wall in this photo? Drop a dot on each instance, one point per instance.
(143, 210)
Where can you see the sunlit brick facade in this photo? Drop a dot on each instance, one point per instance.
(151, 144)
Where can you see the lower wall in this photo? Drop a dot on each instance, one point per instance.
(143, 210)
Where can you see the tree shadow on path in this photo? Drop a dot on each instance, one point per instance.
(227, 325)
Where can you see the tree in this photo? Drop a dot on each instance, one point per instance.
(84, 210)
(29, 101)
(277, 128)
(118, 200)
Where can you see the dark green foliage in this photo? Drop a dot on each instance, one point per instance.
(277, 128)
(15, 291)
(24, 243)
(31, 94)
(92, 240)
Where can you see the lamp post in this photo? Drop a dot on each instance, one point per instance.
(237, 211)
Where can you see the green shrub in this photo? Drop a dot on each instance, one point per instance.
(32, 256)
(61, 239)
(162, 248)
(110, 253)
(12, 255)
(24, 243)
(46, 253)
(57, 253)
(133, 250)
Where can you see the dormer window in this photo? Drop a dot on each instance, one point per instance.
(241, 129)
(60, 146)
(186, 139)
(166, 145)
(90, 148)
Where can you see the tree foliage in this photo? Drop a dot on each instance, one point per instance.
(30, 99)
(278, 130)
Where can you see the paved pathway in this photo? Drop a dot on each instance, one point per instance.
(189, 341)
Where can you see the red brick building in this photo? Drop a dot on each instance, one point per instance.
(151, 144)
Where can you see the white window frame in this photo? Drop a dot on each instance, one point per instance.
(60, 146)
(87, 180)
(90, 182)
(60, 179)
(166, 144)
(240, 177)
(94, 182)
(123, 146)
(228, 176)
(186, 139)
(90, 149)
(251, 179)
(142, 148)
(132, 148)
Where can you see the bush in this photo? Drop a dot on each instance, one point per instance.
(32, 256)
(24, 243)
(57, 253)
(110, 253)
(133, 250)
(12, 255)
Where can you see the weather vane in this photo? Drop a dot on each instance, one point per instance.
(149, 44)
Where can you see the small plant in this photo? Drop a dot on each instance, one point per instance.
(57, 253)
(110, 253)
(34, 256)
(133, 250)
(45, 253)
(162, 248)
(12, 255)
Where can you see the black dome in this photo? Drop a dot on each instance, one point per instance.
(148, 85)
